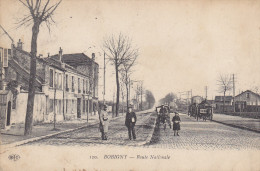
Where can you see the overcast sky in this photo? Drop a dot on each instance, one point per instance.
(183, 45)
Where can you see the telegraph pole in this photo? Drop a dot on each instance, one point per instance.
(142, 96)
(206, 92)
(129, 97)
(234, 92)
(104, 91)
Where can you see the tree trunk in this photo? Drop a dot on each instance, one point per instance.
(117, 89)
(31, 92)
(127, 93)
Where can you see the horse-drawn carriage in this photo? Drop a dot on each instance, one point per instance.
(203, 110)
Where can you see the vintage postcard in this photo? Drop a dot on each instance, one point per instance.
(129, 85)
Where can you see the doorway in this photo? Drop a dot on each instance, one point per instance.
(8, 119)
(78, 108)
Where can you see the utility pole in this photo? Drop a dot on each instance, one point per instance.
(191, 95)
(113, 104)
(129, 101)
(206, 88)
(141, 95)
(104, 93)
(234, 92)
(188, 98)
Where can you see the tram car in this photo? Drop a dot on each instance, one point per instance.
(204, 111)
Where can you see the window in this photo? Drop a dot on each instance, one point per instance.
(83, 84)
(84, 106)
(72, 106)
(72, 84)
(60, 81)
(50, 105)
(86, 86)
(66, 109)
(5, 58)
(56, 80)
(247, 95)
(67, 88)
(1, 54)
(51, 78)
(79, 85)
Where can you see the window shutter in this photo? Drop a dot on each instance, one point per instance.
(5, 58)
(1, 54)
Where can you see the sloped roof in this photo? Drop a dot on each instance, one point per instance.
(55, 63)
(25, 74)
(248, 91)
(74, 59)
(220, 98)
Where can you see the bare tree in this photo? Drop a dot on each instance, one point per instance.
(224, 84)
(38, 13)
(121, 53)
(126, 72)
(123, 92)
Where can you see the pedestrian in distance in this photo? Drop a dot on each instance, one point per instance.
(176, 123)
(130, 121)
(104, 122)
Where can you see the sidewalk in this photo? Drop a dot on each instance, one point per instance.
(15, 135)
(16, 132)
(238, 122)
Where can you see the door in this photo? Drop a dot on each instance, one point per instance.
(78, 108)
(8, 119)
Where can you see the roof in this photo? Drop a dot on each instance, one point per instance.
(249, 91)
(75, 59)
(24, 73)
(57, 64)
(221, 98)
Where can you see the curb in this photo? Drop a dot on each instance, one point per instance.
(236, 126)
(148, 139)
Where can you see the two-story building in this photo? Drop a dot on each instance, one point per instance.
(67, 91)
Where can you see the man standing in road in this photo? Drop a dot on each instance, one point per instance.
(130, 121)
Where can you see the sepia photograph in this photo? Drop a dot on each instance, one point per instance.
(147, 85)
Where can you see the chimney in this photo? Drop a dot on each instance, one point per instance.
(60, 54)
(93, 57)
(20, 45)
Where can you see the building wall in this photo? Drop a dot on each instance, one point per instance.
(39, 110)
(249, 97)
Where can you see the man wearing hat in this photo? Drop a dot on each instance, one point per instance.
(130, 121)
(104, 122)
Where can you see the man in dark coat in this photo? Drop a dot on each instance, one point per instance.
(130, 121)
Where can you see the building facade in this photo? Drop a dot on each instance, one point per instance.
(67, 91)
(248, 97)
